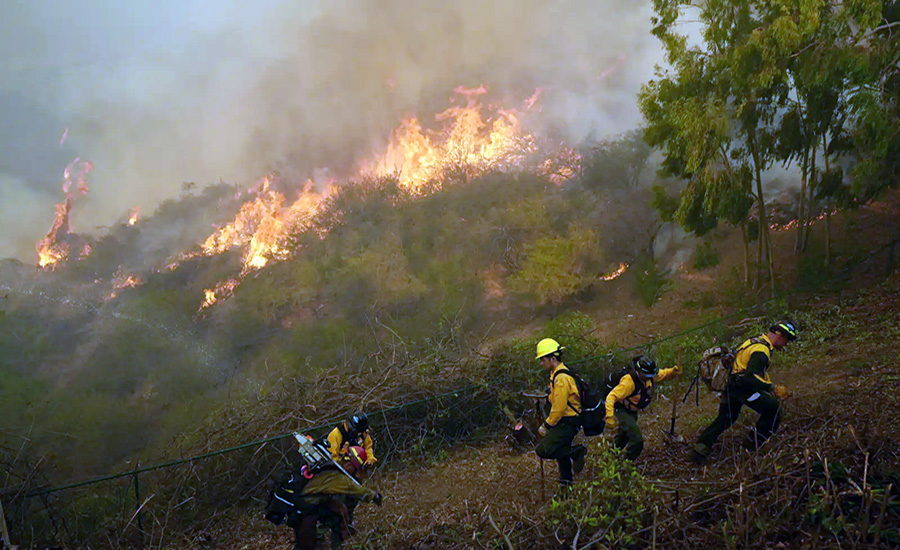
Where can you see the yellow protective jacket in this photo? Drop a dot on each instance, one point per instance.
(564, 397)
(751, 363)
(331, 482)
(627, 393)
(339, 445)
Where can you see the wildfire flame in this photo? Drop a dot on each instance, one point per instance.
(467, 144)
(121, 280)
(53, 248)
(795, 222)
(221, 291)
(134, 216)
(610, 276)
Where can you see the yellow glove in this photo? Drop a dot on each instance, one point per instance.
(782, 392)
(611, 423)
(543, 430)
(371, 460)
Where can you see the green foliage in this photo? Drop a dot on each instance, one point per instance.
(705, 255)
(813, 272)
(616, 503)
(650, 281)
(664, 203)
(616, 162)
(557, 267)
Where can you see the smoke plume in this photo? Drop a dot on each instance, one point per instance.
(156, 94)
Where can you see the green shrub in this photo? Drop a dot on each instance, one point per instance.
(650, 281)
(611, 507)
(705, 255)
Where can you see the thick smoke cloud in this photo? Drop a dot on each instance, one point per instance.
(160, 93)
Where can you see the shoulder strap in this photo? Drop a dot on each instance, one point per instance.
(752, 342)
(639, 386)
(344, 435)
(578, 385)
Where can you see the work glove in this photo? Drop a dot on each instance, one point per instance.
(543, 430)
(370, 460)
(782, 392)
(676, 370)
(611, 424)
(377, 500)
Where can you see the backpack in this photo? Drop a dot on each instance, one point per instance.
(592, 415)
(612, 380)
(284, 488)
(717, 363)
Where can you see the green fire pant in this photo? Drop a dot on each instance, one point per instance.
(628, 436)
(733, 400)
(557, 445)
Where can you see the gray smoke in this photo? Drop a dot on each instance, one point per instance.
(158, 93)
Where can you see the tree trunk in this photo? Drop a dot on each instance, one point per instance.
(801, 218)
(809, 202)
(828, 202)
(765, 244)
(745, 231)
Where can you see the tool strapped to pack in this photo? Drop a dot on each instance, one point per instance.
(716, 365)
(592, 414)
(288, 484)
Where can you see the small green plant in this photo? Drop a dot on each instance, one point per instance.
(650, 281)
(705, 255)
(610, 508)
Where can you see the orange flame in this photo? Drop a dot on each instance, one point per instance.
(610, 276)
(795, 222)
(135, 215)
(52, 248)
(220, 291)
(121, 281)
(263, 225)
(467, 145)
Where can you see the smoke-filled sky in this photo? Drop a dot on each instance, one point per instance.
(160, 92)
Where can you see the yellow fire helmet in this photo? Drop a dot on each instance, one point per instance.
(548, 346)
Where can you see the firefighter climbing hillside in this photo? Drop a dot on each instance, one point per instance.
(749, 385)
(632, 393)
(351, 432)
(562, 424)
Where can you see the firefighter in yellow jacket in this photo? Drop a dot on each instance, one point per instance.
(749, 385)
(350, 433)
(562, 424)
(633, 393)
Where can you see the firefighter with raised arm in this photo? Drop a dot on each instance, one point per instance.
(562, 424)
(633, 393)
(351, 432)
(750, 386)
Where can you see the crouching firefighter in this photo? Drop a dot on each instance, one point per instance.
(633, 393)
(749, 385)
(351, 432)
(318, 494)
(562, 424)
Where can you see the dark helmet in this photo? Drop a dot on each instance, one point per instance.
(785, 328)
(645, 366)
(358, 422)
